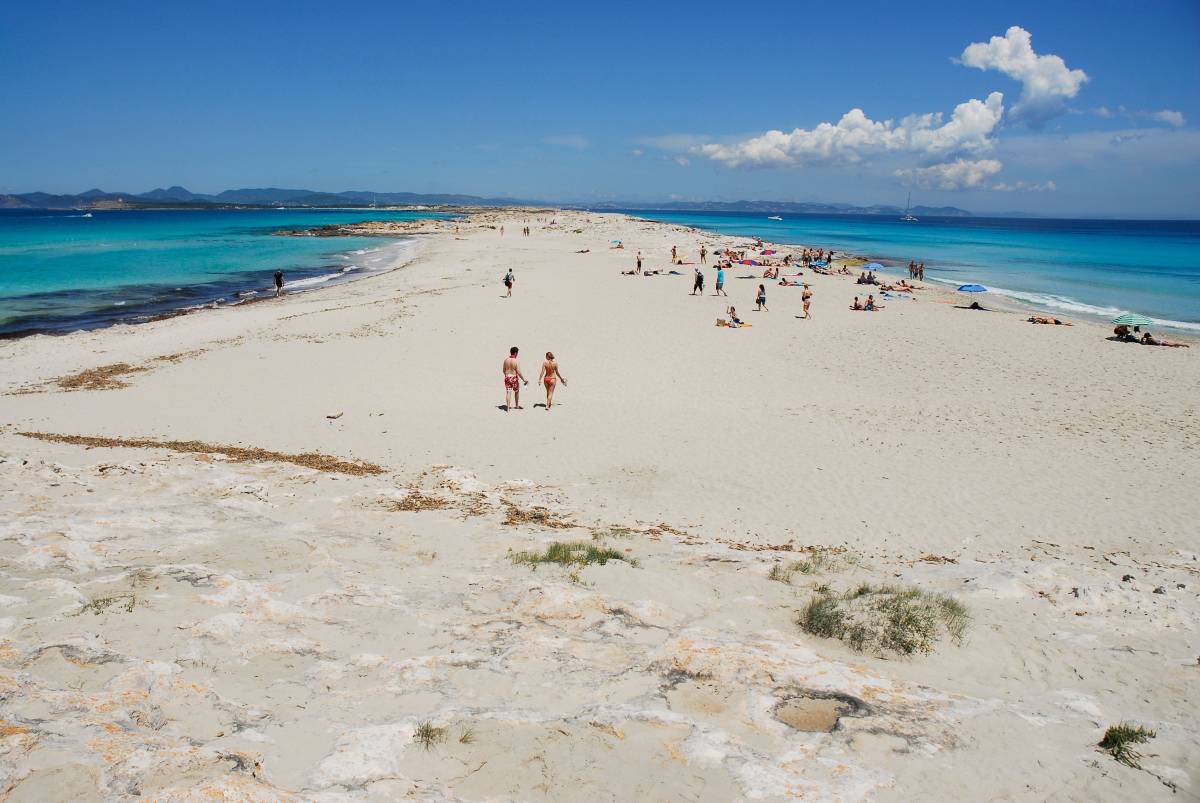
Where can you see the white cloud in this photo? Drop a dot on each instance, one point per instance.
(636, 152)
(856, 136)
(576, 141)
(1169, 117)
(682, 161)
(960, 174)
(673, 142)
(1102, 111)
(1022, 186)
(1046, 81)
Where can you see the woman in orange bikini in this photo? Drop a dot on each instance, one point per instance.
(550, 377)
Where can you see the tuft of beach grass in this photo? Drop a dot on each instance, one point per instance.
(885, 619)
(571, 553)
(427, 734)
(1119, 739)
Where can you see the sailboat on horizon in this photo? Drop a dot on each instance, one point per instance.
(908, 218)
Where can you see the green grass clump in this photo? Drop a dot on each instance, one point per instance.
(427, 734)
(780, 573)
(99, 605)
(824, 559)
(885, 619)
(572, 553)
(1119, 739)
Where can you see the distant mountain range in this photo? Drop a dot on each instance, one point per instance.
(180, 197)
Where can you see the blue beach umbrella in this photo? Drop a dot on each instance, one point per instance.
(972, 288)
(873, 266)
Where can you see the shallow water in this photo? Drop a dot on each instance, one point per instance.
(61, 271)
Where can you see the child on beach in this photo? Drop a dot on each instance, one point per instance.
(762, 299)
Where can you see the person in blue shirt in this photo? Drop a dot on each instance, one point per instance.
(721, 282)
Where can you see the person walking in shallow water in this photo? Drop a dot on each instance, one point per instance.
(278, 283)
(512, 380)
(550, 376)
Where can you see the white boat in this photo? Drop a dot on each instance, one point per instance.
(774, 217)
(908, 218)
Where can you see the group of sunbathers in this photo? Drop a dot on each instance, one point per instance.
(1126, 336)
(868, 306)
(867, 278)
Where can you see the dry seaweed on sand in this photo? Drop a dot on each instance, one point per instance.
(885, 619)
(313, 460)
(535, 515)
(106, 377)
(571, 553)
(416, 501)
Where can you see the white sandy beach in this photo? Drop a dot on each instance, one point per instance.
(179, 625)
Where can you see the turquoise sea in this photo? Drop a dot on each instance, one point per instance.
(62, 271)
(1097, 268)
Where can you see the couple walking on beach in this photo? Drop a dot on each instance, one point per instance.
(549, 376)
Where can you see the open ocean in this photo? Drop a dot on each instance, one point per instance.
(1098, 268)
(62, 271)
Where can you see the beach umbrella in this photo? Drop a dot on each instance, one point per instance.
(766, 253)
(873, 266)
(1133, 319)
(972, 288)
(749, 262)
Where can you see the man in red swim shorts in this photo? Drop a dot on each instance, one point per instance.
(512, 380)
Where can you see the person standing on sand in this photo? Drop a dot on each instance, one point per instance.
(806, 298)
(703, 255)
(761, 300)
(550, 376)
(720, 281)
(512, 380)
(673, 251)
(639, 263)
(508, 282)
(278, 283)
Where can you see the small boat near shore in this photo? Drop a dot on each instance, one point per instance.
(775, 217)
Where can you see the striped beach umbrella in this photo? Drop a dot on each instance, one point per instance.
(972, 288)
(1132, 319)
(766, 253)
(749, 261)
(873, 266)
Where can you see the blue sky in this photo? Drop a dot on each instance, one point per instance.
(1098, 111)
